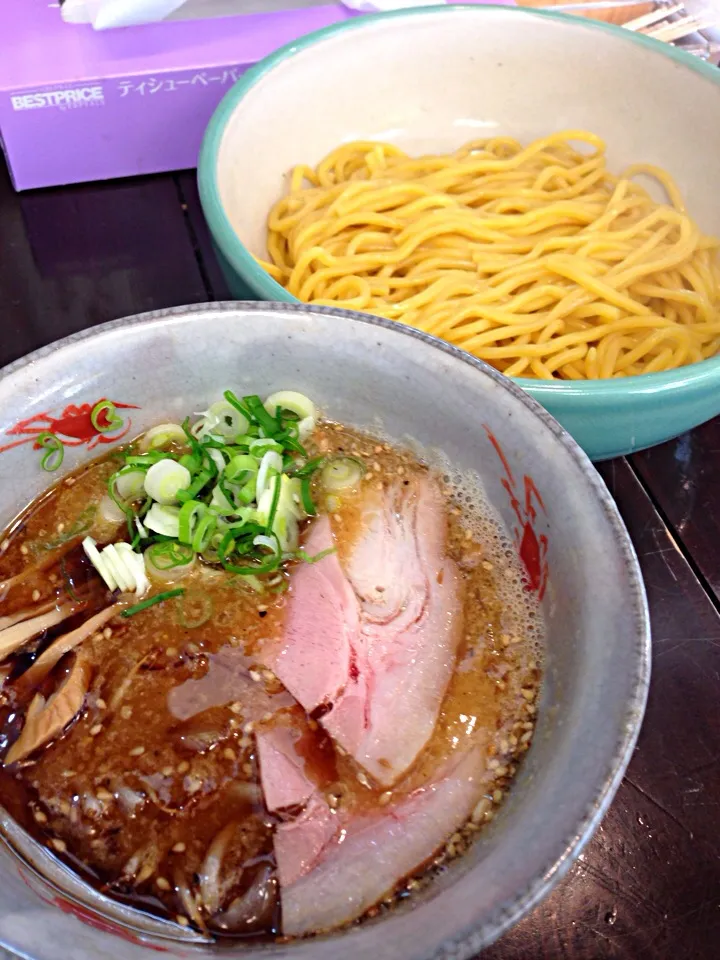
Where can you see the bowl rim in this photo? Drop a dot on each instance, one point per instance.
(566, 848)
(240, 258)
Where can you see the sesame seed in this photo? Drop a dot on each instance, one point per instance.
(183, 766)
(481, 810)
(24, 550)
(107, 633)
(530, 708)
(64, 808)
(94, 731)
(103, 794)
(171, 651)
(167, 771)
(35, 595)
(101, 705)
(60, 527)
(378, 449)
(493, 764)
(247, 769)
(385, 798)
(528, 694)
(236, 707)
(255, 676)
(179, 848)
(401, 470)
(497, 796)
(126, 713)
(376, 467)
(69, 481)
(59, 845)
(40, 817)
(162, 883)
(145, 873)
(249, 727)
(183, 921)
(5, 545)
(137, 751)
(229, 753)
(468, 534)
(486, 565)
(68, 773)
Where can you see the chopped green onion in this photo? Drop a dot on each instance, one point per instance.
(271, 563)
(200, 481)
(239, 405)
(151, 601)
(111, 417)
(277, 487)
(307, 558)
(54, 450)
(306, 497)
(269, 424)
(342, 473)
(190, 515)
(310, 467)
(163, 519)
(162, 436)
(146, 460)
(165, 479)
(169, 554)
(296, 403)
(184, 613)
(270, 465)
(203, 532)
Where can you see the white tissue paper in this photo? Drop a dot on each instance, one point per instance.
(104, 14)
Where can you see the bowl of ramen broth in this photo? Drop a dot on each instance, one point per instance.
(506, 73)
(543, 512)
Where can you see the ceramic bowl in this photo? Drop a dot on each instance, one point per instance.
(362, 370)
(432, 79)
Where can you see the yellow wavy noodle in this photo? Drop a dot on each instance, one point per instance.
(536, 259)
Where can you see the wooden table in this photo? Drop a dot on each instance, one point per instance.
(648, 885)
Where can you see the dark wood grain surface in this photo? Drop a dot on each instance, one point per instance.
(648, 884)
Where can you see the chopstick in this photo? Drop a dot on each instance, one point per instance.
(676, 30)
(649, 18)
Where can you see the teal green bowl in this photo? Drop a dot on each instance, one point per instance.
(430, 79)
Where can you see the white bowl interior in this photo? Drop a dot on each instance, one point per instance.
(433, 81)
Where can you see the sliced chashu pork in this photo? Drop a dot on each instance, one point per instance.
(369, 646)
(333, 866)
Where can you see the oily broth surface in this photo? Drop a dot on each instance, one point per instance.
(161, 763)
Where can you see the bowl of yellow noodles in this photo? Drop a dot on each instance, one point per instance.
(539, 190)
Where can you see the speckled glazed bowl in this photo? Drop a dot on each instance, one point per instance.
(430, 80)
(553, 504)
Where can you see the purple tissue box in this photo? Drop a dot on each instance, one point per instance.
(78, 105)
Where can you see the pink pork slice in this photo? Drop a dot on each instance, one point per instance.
(370, 649)
(333, 866)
